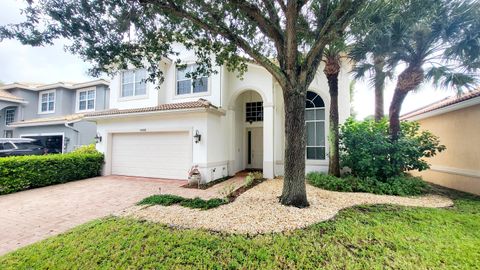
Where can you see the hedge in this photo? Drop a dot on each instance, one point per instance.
(26, 172)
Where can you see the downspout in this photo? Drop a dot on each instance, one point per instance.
(67, 125)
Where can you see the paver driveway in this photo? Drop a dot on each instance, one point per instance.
(29, 216)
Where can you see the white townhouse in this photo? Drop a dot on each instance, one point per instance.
(222, 123)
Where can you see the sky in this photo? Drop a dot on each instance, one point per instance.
(21, 63)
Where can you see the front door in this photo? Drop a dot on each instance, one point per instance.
(255, 148)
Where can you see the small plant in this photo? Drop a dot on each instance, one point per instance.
(249, 180)
(86, 149)
(227, 190)
(202, 204)
(167, 200)
(257, 175)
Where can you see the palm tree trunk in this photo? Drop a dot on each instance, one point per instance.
(394, 112)
(333, 138)
(408, 80)
(294, 189)
(331, 70)
(379, 64)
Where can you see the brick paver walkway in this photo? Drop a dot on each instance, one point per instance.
(33, 215)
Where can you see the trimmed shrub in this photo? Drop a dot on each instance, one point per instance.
(366, 148)
(167, 200)
(86, 149)
(26, 172)
(203, 204)
(404, 185)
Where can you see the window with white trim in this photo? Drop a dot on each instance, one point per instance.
(86, 100)
(254, 111)
(9, 116)
(133, 83)
(315, 125)
(47, 102)
(186, 85)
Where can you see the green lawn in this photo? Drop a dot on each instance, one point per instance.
(367, 237)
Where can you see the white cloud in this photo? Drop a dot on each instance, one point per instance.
(21, 63)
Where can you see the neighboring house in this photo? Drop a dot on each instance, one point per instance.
(222, 123)
(456, 121)
(52, 113)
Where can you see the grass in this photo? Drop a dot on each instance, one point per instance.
(365, 237)
(167, 200)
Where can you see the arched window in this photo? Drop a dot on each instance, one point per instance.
(315, 124)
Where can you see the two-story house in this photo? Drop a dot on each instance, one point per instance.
(222, 123)
(52, 113)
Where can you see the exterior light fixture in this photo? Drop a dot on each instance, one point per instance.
(197, 136)
(98, 138)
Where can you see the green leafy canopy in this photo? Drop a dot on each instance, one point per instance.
(285, 37)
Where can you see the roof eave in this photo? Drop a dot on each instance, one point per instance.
(162, 112)
(454, 107)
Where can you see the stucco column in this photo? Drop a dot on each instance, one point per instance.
(268, 141)
(231, 133)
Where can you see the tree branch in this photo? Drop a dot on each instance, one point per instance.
(336, 23)
(219, 28)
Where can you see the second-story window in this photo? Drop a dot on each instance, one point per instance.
(187, 85)
(86, 100)
(47, 102)
(9, 116)
(133, 83)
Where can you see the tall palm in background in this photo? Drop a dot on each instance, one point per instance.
(375, 34)
(442, 46)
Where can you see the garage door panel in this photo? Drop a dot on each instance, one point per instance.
(162, 154)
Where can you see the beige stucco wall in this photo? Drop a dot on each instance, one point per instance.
(457, 167)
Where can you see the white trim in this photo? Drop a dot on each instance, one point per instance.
(132, 97)
(55, 85)
(47, 123)
(77, 99)
(47, 134)
(54, 91)
(191, 95)
(449, 108)
(6, 114)
(458, 171)
(180, 111)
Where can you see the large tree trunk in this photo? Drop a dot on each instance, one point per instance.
(294, 189)
(379, 64)
(332, 69)
(408, 80)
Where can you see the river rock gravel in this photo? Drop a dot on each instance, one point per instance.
(258, 211)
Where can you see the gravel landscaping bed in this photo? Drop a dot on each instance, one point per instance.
(258, 211)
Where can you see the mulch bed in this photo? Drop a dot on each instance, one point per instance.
(209, 184)
(232, 196)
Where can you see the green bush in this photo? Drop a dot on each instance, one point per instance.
(202, 204)
(366, 148)
(86, 149)
(25, 172)
(167, 200)
(403, 185)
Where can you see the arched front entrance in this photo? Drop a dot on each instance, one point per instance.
(248, 131)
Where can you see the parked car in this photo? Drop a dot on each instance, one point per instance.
(20, 147)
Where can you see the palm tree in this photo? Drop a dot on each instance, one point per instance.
(443, 46)
(374, 38)
(332, 58)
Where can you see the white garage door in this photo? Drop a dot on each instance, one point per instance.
(161, 155)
